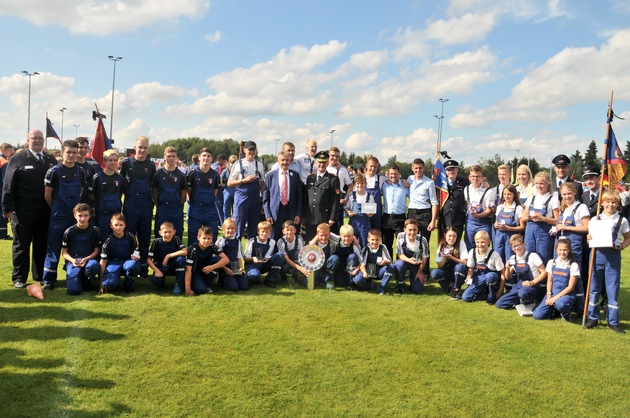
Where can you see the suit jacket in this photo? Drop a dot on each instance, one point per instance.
(453, 213)
(321, 202)
(273, 194)
(578, 187)
(23, 189)
(592, 207)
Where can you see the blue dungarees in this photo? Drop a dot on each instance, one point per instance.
(360, 222)
(485, 282)
(537, 238)
(375, 220)
(231, 247)
(61, 216)
(201, 208)
(501, 242)
(247, 203)
(80, 243)
(564, 304)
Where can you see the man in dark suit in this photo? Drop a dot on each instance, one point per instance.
(282, 198)
(453, 213)
(321, 202)
(561, 166)
(23, 203)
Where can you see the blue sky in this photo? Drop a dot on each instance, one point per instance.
(525, 76)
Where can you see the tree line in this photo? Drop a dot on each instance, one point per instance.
(187, 147)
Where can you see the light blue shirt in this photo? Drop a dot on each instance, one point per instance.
(394, 198)
(421, 193)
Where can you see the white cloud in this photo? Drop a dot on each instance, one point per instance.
(470, 27)
(142, 95)
(213, 38)
(458, 75)
(577, 75)
(103, 17)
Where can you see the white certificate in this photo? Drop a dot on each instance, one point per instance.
(601, 231)
(368, 208)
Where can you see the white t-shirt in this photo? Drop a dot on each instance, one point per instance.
(518, 208)
(463, 253)
(243, 168)
(581, 212)
(533, 262)
(342, 173)
(574, 270)
(539, 203)
(494, 263)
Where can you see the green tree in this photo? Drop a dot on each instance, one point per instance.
(490, 168)
(590, 157)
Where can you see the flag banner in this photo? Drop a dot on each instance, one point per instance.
(100, 143)
(615, 166)
(440, 179)
(50, 131)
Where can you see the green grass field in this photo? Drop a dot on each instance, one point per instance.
(286, 352)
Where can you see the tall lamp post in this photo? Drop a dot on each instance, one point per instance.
(63, 109)
(30, 76)
(76, 130)
(277, 139)
(111, 113)
(440, 126)
(332, 132)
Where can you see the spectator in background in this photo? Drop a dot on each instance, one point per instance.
(7, 152)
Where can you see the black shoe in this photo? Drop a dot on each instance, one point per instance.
(617, 328)
(590, 324)
(353, 286)
(8, 238)
(270, 284)
(400, 290)
(19, 285)
(49, 286)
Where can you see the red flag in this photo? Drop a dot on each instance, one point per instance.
(99, 145)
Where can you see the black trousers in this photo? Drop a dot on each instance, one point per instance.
(391, 226)
(25, 234)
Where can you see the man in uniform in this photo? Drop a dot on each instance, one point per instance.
(561, 167)
(23, 203)
(138, 172)
(321, 202)
(453, 213)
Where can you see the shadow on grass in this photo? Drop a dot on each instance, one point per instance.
(38, 391)
(53, 312)
(46, 333)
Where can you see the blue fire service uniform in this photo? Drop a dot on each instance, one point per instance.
(169, 204)
(203, 188)
(81, 243)
(107, 191)
(67, 184)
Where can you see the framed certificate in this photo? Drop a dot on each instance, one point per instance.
(368, 208)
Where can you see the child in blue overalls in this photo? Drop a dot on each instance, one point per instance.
(451, 260)
(525, 271)
(509, 221)
(328, 243)
(412, 252)
(64, 184)
(359, 221)
(541, 212)
(349, 254)
(562, 276)
(120, 256)
(232, 276)
(376, 264)
(106, 192)
(607, 265)
(290, 246)
(202, 263)
(203, 184)
(572, 220)
(374, 184)
(80, 248)
(480, 206)
(167, 256)
(260, 259)
(168, 190)
(247, 176)
(484, 271)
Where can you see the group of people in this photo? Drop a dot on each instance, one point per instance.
(518, 246)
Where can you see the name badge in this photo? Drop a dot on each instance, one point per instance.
(28, 167)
